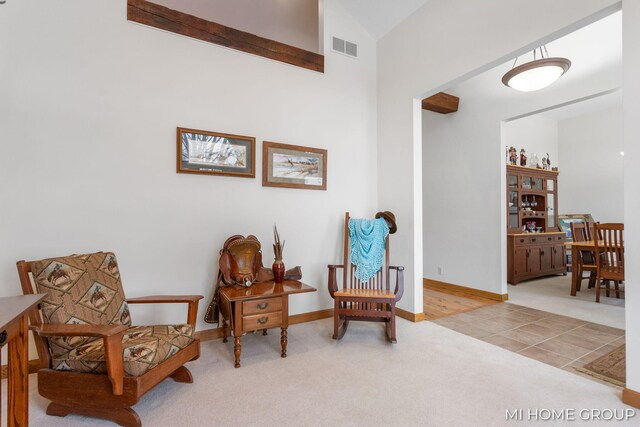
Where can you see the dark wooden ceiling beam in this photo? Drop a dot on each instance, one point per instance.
(154, 15)
(442, 103)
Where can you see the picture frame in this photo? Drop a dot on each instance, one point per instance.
(564, 221)
(214, 153)
(293, 166)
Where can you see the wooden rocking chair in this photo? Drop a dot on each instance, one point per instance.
(92, 361)
(371, 301)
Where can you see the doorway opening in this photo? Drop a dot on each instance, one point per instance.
(574, 125)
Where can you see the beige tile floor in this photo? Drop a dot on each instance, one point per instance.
(560, 341)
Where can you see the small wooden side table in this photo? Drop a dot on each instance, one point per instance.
(259, 307)
(14, 331)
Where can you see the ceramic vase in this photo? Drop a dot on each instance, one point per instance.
(278, 271)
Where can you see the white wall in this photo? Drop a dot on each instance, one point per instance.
(536, 134)
(89, 105)
(591, 176)
(294, 22)
(631, 131)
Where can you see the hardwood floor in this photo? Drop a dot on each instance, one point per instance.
(440, 302)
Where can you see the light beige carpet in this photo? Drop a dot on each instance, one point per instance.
(432, 377)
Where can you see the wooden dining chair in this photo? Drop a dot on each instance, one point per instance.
(610, 260)
(581, 233)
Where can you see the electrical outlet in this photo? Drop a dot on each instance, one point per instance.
(440, 270)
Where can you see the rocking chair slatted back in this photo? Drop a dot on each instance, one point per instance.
(353, 282)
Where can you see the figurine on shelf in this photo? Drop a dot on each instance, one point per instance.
(545, 164)
(548, 161)
(513, 156)
(523, 158)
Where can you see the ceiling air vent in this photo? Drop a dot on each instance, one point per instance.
(344, 47)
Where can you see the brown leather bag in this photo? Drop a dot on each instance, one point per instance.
(240, 264)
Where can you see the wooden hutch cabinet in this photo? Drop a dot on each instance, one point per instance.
(535, 247)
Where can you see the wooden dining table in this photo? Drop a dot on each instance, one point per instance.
(576, 260)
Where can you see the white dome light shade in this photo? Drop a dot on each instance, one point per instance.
(536, 74)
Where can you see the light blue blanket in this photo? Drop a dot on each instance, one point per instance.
(367, 238)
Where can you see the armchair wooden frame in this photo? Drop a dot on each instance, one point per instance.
(371, 301)
(107, 396)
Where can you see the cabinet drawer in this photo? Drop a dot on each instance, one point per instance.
(536, 240)
(528, 240)
(262, 305)
(521, 240)
(262, 321)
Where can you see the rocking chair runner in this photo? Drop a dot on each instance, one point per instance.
(372, 300)
(92, 362)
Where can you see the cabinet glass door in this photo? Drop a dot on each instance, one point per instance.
(514, 206)
(526, 183)
(537, 183)
(512, 181)
(551, 213)
(551, 185)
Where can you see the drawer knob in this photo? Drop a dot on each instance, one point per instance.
(263, 320)
(263, 305)
(521, 240)
(3, 337)
(533, 240)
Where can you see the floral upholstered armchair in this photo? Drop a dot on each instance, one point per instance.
(93, 361)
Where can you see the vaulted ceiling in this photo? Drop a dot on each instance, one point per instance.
(379, 17)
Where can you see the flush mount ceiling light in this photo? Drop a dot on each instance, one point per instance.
(536, 74)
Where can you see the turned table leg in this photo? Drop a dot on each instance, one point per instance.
(237, 349)
(225, 331)
(283, 342)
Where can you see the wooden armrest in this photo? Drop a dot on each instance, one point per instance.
(164, 298)
(111, 336)
(192, 300)
(333, 285)
(399, 291)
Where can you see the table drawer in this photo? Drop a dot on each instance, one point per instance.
(262, 321)
(265, 305)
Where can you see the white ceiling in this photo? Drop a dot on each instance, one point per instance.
(379, 17)
(582, 108)
(593, 50)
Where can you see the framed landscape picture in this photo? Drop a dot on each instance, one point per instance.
(293, 166)
(564, 221)
(213, 153)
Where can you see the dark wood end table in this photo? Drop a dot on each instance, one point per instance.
(259, 307)
(13, 330)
